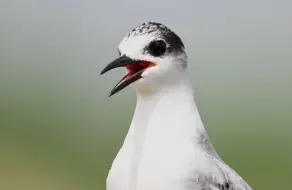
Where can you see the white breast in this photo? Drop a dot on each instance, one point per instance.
(164, 150)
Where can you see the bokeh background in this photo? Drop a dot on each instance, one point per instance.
(58, 128)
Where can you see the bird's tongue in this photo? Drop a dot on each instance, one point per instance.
(135, 68)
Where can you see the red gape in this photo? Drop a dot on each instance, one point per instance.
(134, 68)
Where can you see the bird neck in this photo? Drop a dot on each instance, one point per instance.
(169, 110)
(166, 119)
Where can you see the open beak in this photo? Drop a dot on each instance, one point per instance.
(135, 69)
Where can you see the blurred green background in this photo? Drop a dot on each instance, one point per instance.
(58, 128)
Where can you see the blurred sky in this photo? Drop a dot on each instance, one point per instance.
(58, 128)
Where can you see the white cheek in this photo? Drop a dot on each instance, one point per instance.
(151, 72)
(158, 71)
(149, 77)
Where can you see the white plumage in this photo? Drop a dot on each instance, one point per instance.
(167, 147)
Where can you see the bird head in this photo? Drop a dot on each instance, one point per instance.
(153, 56)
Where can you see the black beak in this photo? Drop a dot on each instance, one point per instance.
(119, 62)
(126, 80)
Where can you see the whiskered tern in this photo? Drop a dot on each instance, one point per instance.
(167, 146)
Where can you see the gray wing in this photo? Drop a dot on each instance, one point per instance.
(207, 183)
(220, 176)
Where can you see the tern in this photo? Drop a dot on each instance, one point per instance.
(167, 146)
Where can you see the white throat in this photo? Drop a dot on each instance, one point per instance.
(165, 120)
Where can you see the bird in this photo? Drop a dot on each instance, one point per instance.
(167, 146)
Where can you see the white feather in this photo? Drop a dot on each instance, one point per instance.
(167, 147)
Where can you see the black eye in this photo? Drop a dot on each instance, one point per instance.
(157, 48)
(119, 52)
